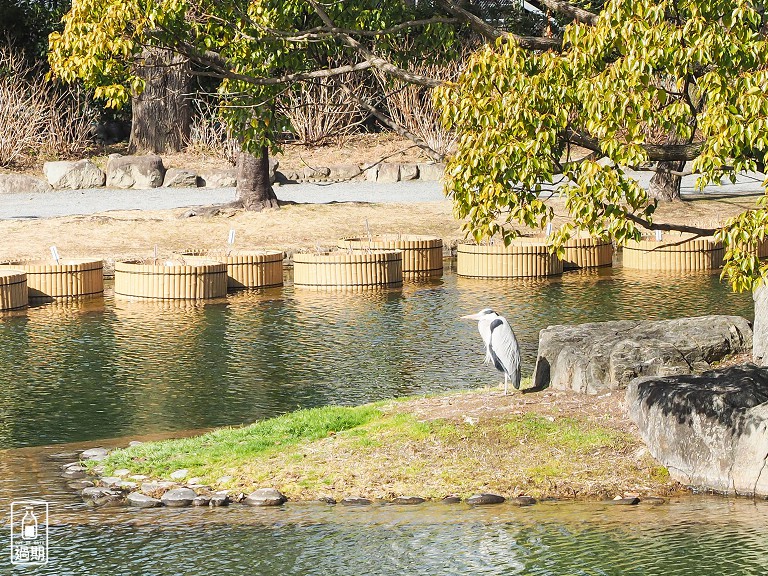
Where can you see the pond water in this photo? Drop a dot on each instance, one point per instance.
(105, 369)
(690, 535)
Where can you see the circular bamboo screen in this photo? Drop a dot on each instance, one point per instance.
(422, 255)
(762, 248)
(524, 257)
(248, 269)
(70, 278)
(377, 269)
(13, 289)
(673, 254)
(587, 252)
(201, 280)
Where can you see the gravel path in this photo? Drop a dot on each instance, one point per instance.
(95, 200)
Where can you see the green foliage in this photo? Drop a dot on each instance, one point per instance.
(649, 72)
(245, 43)
(25, 25)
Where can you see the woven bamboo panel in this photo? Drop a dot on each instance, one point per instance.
(524, 258)
(422, 255)
(70, 278)
(377, 269)
(587, 252)
(202, 280)
(13, 289)
(673, 254)
(247, 269)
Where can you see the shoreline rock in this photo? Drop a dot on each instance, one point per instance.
(485, 498)
(265, 497)
(178, 497)
(601, 356)
(22, 184)
(709, 430)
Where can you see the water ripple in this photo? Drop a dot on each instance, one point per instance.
(104, 369)
(694, 536)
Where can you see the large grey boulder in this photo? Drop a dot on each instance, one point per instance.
(311, 173)
(760, 328)
(180, 178)
(591, 358)
(388, 173)
(219, 178)
(139, 172)
(709, 430)
(73, 175)
(344, 172)
(408, 172)
(371, 173)
(21, 184)
(432, 172)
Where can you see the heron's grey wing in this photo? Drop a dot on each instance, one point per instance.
(505, 350)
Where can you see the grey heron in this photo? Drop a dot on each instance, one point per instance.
(501, 347)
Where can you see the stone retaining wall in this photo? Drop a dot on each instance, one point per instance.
(148, 171)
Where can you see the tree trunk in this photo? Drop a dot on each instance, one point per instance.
(664, 185)
(254, 190)
(161, 114)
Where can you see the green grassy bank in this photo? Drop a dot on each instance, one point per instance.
(428, 447)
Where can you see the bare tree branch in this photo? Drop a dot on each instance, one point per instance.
(488, 32)
(569, 10)
(223, 68)
(377, 61)
(655, 152)
(656, 169)
(670, 227)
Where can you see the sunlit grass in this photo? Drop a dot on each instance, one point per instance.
(385, 449)
(231, 446)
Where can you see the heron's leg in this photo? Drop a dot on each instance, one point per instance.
(505, 383)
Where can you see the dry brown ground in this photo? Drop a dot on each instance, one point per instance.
(114, 235)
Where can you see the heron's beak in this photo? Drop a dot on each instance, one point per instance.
(471, 317)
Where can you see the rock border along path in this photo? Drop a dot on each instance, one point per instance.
(142, 183)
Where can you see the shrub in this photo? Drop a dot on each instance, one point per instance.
(38, 118)
(209, 133)
(411, 106)
(320, 111)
